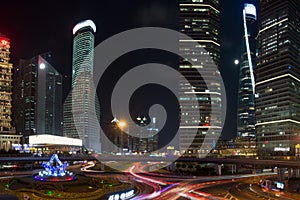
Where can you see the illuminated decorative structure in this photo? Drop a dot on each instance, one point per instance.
(278, 78)
(7, 133)
(199, 20)
(246, 92)
(37, 97)
(80, 107)
(55, 170)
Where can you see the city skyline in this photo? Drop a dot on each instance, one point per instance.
(61, 46)
(120, 100)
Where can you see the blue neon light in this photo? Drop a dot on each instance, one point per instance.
(51, 170)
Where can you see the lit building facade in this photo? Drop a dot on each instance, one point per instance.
(147, 142)
(7, 133)
(37, 97)
(80, 107)
(237, 147)
(49, 144)
(246, 92)
(199, 20)
(278, 78)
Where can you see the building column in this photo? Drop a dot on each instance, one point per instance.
(102, 166)
(297, 173)
(233, 168)
(280, 173)
(290, 173)
(219, 169)
(171, 167)
(293, 173)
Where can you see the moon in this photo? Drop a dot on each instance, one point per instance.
(236, 61)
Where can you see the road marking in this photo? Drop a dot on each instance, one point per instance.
(230, 197)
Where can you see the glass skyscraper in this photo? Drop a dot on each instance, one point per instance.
(37, 97)
(246, 92)
(80, 107)
(200, 20)
(278, 78)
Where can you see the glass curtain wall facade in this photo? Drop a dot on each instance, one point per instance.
(37, 97)
(278, 78)
(246, 92)
(200, 20)
(80, 107)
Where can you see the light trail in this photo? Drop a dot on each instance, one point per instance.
(89, 165)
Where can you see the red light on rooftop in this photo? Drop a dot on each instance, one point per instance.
(4, 42)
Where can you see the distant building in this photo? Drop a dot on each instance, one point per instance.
(116, 135)
(278, 78)
(246, 92)
(81, 106)
(37, 97)
(129, 137)
(7, 132)
(147, 142)
(199, 20)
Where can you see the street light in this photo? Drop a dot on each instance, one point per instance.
(121, 124)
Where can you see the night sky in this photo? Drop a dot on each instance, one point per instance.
(39, 26)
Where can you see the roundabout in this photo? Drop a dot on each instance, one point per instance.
(56, 182)
(82, 187)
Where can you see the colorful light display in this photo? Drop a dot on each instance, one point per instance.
(55, 170)
(122, 195)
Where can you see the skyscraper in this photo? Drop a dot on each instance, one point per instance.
(37, 97)
(278, 77)
(200, 20)
(246, 92)
(5, 84)
(7, 133)
(80, 107)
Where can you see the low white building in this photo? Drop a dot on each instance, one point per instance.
(48, 144)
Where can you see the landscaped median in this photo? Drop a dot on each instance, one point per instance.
(83, 187)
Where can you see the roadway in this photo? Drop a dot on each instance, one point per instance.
(165, 186)
(141, 158)
(159, 186)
